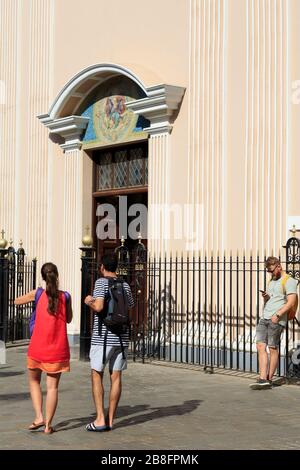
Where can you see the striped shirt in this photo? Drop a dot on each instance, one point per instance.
(101, 291)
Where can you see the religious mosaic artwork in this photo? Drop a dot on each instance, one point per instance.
(111, 122)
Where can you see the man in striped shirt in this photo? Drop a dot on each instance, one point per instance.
(113, 352)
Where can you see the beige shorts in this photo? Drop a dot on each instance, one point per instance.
(113, 356)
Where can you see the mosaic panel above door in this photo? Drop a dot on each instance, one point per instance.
(111, 122)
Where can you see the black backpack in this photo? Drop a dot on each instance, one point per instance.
(115, 315)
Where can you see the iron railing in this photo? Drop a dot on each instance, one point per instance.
(17, 277)
(202, 310)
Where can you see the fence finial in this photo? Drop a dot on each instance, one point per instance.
(87, 238)
(3, 242)
(293, 231)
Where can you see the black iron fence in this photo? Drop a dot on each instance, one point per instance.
(204, 311)
(17, 277)
(201, 310)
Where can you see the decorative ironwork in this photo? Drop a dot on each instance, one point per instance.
(140, 255)
(3, 242)
(123, 257)
(293, 257)
(17, 276)
(89, 274)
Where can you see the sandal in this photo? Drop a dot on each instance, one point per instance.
(94, 428)
(35, 426)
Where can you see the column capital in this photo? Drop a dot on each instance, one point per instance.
(160, 107)
(66, 131)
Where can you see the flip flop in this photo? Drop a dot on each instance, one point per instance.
(35, 426)
(92, 427)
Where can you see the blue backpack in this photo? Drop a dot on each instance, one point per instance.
(38, 294)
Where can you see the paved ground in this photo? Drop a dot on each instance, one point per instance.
(161, 408)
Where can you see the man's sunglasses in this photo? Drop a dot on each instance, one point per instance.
(271, 271)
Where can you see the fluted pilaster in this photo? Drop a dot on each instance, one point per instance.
(206, 123)
(72, 231)
(266, 141)
(39, 95)
(9, 50)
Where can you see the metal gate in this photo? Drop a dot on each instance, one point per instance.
(17, 277)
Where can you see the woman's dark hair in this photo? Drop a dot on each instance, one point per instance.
(50, 276)
(110, 262)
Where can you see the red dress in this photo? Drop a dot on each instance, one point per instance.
(49, 347)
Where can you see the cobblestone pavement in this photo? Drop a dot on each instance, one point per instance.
(161, 408)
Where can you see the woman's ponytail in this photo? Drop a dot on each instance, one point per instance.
(50, 276)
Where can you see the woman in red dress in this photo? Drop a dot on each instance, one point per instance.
(49, 348)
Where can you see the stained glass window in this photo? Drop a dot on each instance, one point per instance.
(105, 171)
(121, 168)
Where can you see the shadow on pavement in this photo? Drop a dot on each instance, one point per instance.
(152, 413)
(157, 413)
(15, 396)
(74, 423)
(10, 374)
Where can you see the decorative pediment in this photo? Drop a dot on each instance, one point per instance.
(111, 118)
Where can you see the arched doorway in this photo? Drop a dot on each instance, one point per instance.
(116, 143)
(74, 122)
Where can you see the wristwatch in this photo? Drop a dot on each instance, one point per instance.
(278, 316)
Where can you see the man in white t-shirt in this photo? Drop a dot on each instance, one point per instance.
(279, 298)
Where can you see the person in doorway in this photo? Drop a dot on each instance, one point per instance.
(279, 298)
(107, 346)
(48, 348)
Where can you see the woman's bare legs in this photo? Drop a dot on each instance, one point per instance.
(36, 393)
(52, 398)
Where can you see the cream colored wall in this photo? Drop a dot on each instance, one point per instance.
(242, 148)
(294, 108)
(26, 69)
(233, 149)
(150, 40)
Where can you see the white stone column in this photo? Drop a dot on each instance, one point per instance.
(72, 209)
(158, 193)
